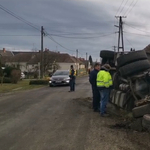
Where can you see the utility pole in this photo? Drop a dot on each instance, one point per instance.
(42, 62)
(120, 35)
(76, 59)
(86, 62)
(86, 56)
(77, 53)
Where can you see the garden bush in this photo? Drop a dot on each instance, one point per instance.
(5, 80)
(7, 71)
(38, 82)
(15, 75)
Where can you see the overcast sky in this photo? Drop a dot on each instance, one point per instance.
(86, 25)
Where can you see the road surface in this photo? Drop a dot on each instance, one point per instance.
(54, 119)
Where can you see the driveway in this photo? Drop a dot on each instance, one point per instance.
(54, 119)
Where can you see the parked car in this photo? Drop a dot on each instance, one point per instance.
(22, 75)
(60, 77)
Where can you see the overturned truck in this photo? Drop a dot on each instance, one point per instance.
(131, 78)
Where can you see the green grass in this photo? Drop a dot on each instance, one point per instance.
(21, 85)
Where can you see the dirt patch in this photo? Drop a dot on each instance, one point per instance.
(84, 101)
(123, 119)
(115, 128)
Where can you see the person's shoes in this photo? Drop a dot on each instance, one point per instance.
(69, 91)
(105, 112)
(105, 115)
(96, 110)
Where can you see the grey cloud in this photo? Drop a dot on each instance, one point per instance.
(65, 16)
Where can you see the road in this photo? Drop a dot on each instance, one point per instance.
(54, 119)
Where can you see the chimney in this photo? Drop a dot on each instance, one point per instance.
(4, 50)
(46, 49)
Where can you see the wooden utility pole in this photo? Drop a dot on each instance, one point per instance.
(42, 60)
(86, 63)
(120, 35)
(76, 59)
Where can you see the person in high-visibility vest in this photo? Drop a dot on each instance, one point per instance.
(104, 83)
(72, 76)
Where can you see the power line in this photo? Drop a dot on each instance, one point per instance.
(19, 35)
(51, 38)
(132, 7)
(136, 28)
(128, 41)
(76, 34)
(82, 37)
(18, 17)
(137, 34)
(119, 7)
(129, 7)
(123, 7)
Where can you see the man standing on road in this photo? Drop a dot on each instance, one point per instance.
(72, 76)
(104, 83)
(95, 91)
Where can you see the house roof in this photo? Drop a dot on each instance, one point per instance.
(34, 57)
(21, 57)
(20, 52)
(5, 53)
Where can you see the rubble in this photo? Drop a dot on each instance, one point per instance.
(141, 110)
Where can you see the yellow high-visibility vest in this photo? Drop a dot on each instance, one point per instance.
(104, 79)
(71, 72)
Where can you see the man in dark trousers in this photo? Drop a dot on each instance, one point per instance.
(72, 76)
(95, 91)
(104, 84)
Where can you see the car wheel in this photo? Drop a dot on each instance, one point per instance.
(134, 67)
(50, 85)
(131, 57)
(107, 54)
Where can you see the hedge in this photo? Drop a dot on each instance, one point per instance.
(38, 82)
(5, 80)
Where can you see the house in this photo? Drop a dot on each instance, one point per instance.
(5, 55)
(21, 60)
(30, 61)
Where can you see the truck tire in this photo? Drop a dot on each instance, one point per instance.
(116, 81)
(134, 67)
(107, 54)
(146, 122)
(131, 57)
(141, 110)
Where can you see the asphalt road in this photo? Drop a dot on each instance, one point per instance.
(54, 119)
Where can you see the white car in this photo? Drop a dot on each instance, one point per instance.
(22, 75)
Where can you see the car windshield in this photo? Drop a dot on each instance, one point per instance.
(57, 73)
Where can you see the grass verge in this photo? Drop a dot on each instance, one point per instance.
(21, 85)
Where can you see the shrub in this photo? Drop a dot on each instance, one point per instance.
(38, 82)
(15, 75)
(5, 80)
(7, 71)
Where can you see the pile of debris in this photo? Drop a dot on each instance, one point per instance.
(141, 113)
